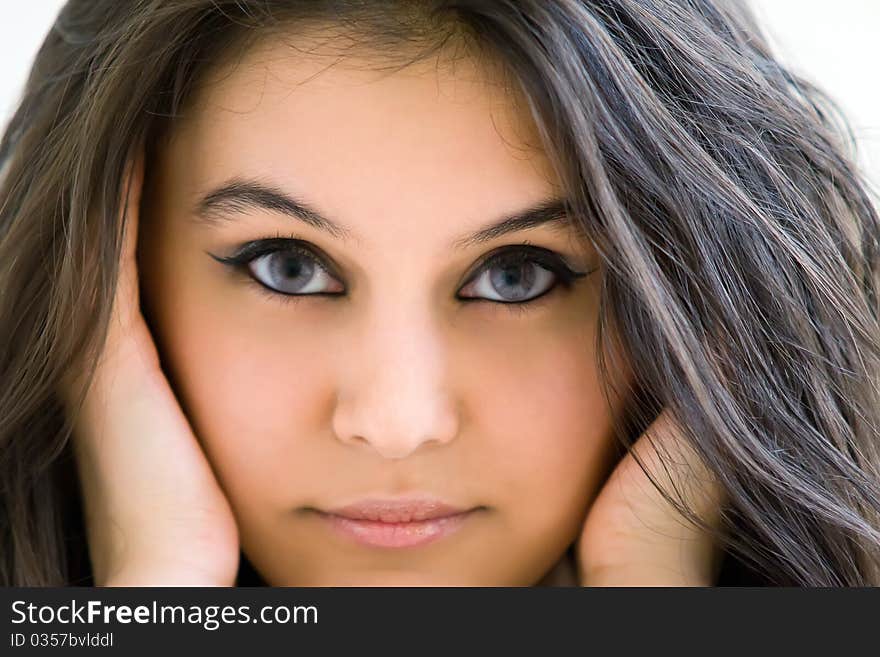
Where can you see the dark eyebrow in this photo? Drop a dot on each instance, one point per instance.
(238, 196)
(551, 211)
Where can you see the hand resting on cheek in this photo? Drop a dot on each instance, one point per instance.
(154, 510)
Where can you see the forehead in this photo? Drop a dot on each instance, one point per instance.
(447, 141)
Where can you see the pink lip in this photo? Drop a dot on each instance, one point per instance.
(396, 510)
(397, 523)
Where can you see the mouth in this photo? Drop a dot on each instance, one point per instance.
(391, 523)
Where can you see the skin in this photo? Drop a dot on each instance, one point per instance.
(396, 388)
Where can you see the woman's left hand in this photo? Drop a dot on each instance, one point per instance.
(633, 537)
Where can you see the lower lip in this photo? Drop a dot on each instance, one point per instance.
(396, 534)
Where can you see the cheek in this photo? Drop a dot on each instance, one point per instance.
(552, 415)
(255, 392)
(545, 426)
(259, 388)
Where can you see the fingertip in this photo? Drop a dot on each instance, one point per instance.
(131, 193)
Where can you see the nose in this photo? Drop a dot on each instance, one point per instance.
(394, 391)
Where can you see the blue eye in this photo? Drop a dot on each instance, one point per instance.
(519, 275)
(292, 272)
(286, 267)
(513, 283)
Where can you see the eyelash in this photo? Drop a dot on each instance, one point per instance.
(506, 255)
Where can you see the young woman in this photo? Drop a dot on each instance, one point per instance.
(355, 293)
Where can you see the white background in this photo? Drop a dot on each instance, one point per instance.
(834, 43)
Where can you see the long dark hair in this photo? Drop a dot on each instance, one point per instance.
(740, 242)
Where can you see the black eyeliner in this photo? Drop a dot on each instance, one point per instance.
(515, 254)
(265, 246)
(524, 253)
(239, 262)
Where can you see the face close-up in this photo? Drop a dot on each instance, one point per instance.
(412, 365)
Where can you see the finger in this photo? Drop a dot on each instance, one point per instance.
(639, 535)
(125, 299)
(674, 464)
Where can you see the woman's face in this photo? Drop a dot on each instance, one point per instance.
(397, 372)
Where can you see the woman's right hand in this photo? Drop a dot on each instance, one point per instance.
(155, 512)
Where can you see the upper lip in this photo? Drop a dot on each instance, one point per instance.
(397, 510)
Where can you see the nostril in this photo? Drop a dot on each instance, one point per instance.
(398, 427)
